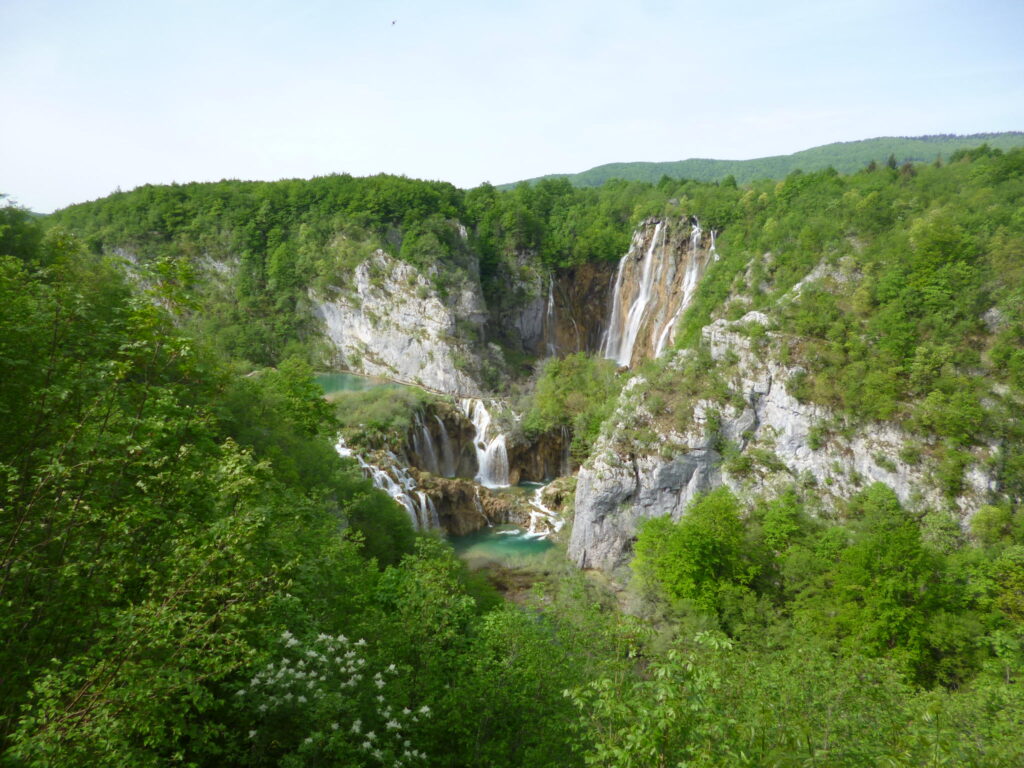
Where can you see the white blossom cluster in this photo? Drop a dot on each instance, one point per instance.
(338, 666)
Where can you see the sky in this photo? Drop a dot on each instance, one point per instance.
(98, 95)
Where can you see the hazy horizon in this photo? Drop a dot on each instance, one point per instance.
(105, 95)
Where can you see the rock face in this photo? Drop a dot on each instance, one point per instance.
(541, 459)
(555, 313)
(580, 300)
(520, 312)
(616, 492)
(463, 506)
(392, 322)
(613, 497)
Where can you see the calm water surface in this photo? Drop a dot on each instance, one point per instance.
(502, 544)
(349, 382)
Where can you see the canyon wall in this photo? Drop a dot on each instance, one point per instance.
(780, 441)
(391, 321)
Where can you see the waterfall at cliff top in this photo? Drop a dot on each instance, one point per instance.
(549, 319)
(399, 485)
(620, 340)
(491, 455)
(690, 279)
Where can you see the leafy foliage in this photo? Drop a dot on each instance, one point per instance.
(165, 519)
(577, 392)
(699, 558)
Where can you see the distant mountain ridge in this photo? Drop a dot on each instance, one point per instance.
(844, 156)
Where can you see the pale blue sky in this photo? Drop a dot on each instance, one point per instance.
(98, 94)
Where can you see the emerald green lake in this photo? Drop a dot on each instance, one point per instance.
(349, 382)
(502, 544)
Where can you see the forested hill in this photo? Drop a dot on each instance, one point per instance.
(844, 156)
(190, 573)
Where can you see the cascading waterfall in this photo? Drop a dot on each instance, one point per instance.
(543, 521)
(613, 333)
(447, 454)
(665, 334)
(423, 444)
(491, 455)
(429, 510)
(399, 485)
(619, 341)
(480, 509)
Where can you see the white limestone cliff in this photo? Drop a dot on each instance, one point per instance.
(616, 491)
(390, 321)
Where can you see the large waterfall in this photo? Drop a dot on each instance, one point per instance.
(621, 338)
(654, 284)
(399, 485)
(491, 455)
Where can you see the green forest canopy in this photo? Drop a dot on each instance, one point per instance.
(844, 156)
(191, 575)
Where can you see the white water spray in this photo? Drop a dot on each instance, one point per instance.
(491, 454)
(543, 521)
(399, 485)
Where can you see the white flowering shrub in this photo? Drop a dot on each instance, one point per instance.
(328, 699)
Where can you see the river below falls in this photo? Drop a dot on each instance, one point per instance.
(501, 546)
(505, 546)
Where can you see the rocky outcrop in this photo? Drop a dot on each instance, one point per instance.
(614, 495)
(540, 459)
(554, 313)
(463, 506)
(520, 310)
(580, 300)
(618, 488)
(390, 321)
(440, 441)
(779, 441)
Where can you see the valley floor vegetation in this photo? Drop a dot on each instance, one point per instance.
(191, 575)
